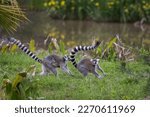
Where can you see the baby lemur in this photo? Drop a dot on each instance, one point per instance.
(49, 63)
(87, 65)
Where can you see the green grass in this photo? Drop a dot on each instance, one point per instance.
(132, 83)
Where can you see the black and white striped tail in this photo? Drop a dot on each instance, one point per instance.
(24, 49)
(81, 48)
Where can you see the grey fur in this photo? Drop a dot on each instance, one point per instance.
(52, 62)
(49, 64)
(86, 66)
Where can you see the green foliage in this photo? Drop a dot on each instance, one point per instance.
(131, 83)
(62, 47)
(59, 46)
(145, 55)
(13, 48)
(4, 48)
(110, 44)
(20, 88)
(99, 10)
(15, 84)
(55, 44)
(32, 4)
(144, 52)
(32, 45)
(115, 50)
(50, 49)
(109, 50)
(14, 89)
(17, 88)
(7, 47)
(19, 78)
(10, 15)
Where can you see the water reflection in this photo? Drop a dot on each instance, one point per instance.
(80, 32)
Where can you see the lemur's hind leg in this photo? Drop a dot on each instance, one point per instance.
(99, 68)
(54, 71)
(66, 70)
(83, 70)
(96, 74)
(44, 70)
(49, 68)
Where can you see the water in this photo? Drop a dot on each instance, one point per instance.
(81, 32)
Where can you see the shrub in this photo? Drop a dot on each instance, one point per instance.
(100, 10)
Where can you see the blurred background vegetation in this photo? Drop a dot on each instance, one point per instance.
(74, 17)
(98, 10)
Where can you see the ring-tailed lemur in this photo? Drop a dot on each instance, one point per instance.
(50, 63)
(87, 65)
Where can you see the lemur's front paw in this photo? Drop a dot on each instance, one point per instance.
(105, 74)
(100, 77)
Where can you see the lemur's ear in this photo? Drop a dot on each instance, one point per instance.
(97, 44)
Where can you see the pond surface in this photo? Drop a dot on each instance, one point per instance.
(81, 32)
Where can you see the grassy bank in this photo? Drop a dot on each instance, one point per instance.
(132, 83)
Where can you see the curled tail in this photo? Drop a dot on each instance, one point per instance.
(25, 49)
(81, 48)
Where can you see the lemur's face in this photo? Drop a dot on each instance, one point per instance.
(95, 61)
